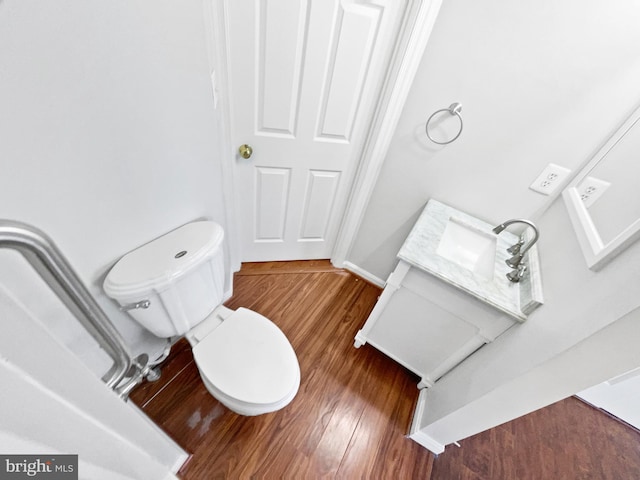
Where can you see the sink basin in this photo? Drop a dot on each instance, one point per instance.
(462, 251)
(469, 248)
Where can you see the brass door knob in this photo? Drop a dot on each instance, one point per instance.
(245, 151)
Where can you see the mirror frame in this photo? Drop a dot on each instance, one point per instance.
(596, 252)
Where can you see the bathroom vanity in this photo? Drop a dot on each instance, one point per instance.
(449, 293)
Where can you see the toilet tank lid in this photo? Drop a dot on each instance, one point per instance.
(155, 265)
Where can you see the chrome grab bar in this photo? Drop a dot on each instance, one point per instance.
(40, 251)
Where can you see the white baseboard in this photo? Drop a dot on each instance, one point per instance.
(369, 277)
(418, 436)
(427, 442)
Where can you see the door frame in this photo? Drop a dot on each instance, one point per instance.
(415, 30)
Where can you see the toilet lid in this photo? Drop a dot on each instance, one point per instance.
(248, 358)
(159, 263)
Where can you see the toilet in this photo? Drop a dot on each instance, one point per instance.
(174, 286)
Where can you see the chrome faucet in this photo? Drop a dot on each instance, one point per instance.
(518, 249)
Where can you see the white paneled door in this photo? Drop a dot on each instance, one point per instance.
(304, 79)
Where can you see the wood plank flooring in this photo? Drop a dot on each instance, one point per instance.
(354, 406)
(353, 409)
(568, 440)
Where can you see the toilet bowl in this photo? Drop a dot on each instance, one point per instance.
(248, 364)
(174, 286)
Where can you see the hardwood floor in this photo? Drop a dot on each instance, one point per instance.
(353, 409)
(568, 440)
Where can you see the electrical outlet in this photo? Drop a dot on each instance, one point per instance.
(591, 189)
(551, 178)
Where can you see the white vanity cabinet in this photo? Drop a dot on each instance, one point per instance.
(427, 325)
(449, 294)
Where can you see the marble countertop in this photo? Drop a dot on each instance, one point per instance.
(420, 251)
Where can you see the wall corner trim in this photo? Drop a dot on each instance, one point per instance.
(427, 442)
(418, 436)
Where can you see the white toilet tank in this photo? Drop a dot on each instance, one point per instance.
(180, 276)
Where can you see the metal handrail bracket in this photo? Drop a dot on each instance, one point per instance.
(43, 255)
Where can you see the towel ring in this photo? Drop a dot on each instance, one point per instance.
(454, 109)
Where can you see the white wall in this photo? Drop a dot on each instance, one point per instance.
(108, 139)
(539, 82)
(53, 403)
(619, 396)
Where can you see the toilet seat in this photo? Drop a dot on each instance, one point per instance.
(248, 364)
